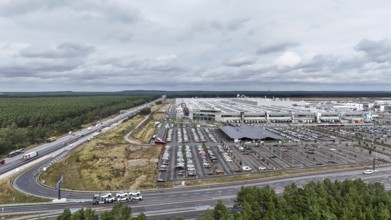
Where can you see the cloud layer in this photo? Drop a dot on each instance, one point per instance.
(111, 45)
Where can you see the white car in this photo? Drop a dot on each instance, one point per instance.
(122, 194)
(122, 199)
(139, 198)
(262, 168)
(247, 168)
(107, 195)
(368, 171)
(134, 193)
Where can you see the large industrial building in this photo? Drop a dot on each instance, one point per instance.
(264, 110)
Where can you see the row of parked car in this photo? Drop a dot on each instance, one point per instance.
(165, 159)
(195, 135)
(119, 197)
(211, 136)
(189, 162)
(169, 135)
(225, 153)
(204, 156)
(202, 137)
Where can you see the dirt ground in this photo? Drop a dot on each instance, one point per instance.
(103, 163)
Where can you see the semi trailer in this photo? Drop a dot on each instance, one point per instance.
(30, 155)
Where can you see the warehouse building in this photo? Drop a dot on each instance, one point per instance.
(263, 110)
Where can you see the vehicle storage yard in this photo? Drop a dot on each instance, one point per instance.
(201, 152)
(198, 151)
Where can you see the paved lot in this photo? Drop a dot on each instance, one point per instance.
(198, 151)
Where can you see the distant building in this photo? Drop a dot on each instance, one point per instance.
(263, 110)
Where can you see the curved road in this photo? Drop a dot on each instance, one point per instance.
(190, 199)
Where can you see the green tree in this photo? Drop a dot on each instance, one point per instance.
(121, 211)
(78, 215)
(207, 215)
(66, 215)
(221, 212)
(89, 214)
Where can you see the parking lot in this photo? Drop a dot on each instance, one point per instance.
(200, 151)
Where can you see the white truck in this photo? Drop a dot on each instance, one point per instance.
(30, 155)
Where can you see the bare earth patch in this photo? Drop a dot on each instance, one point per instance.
(107, 163)
(137, 182)
(138, 162)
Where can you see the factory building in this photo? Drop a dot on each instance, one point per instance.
(263, 110)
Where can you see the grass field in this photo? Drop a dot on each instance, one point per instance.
(10, 195)
(145, 134)
(105, 163)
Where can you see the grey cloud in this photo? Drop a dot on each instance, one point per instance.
(64, 50)
(113, 10)
(231, 25)
(332, 64)
(236, 24)
(209, 27)
(21, 7)
(376, 51)
(272, 48)
(40, 69)
(240, 60)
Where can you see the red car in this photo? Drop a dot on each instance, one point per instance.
(219, 172)
(2, 162)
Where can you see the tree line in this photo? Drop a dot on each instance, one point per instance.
(30, 120)
(346, 200)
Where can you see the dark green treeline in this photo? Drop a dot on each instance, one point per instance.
(29, 120)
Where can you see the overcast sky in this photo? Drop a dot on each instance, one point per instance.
(113, 45)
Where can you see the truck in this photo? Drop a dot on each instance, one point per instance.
(103, 199)
(2, 162)
(97, 199)
(51, 139)
(16, 152)
(30, 155)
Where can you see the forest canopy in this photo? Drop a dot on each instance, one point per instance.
(349, 199)
(30, 119)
